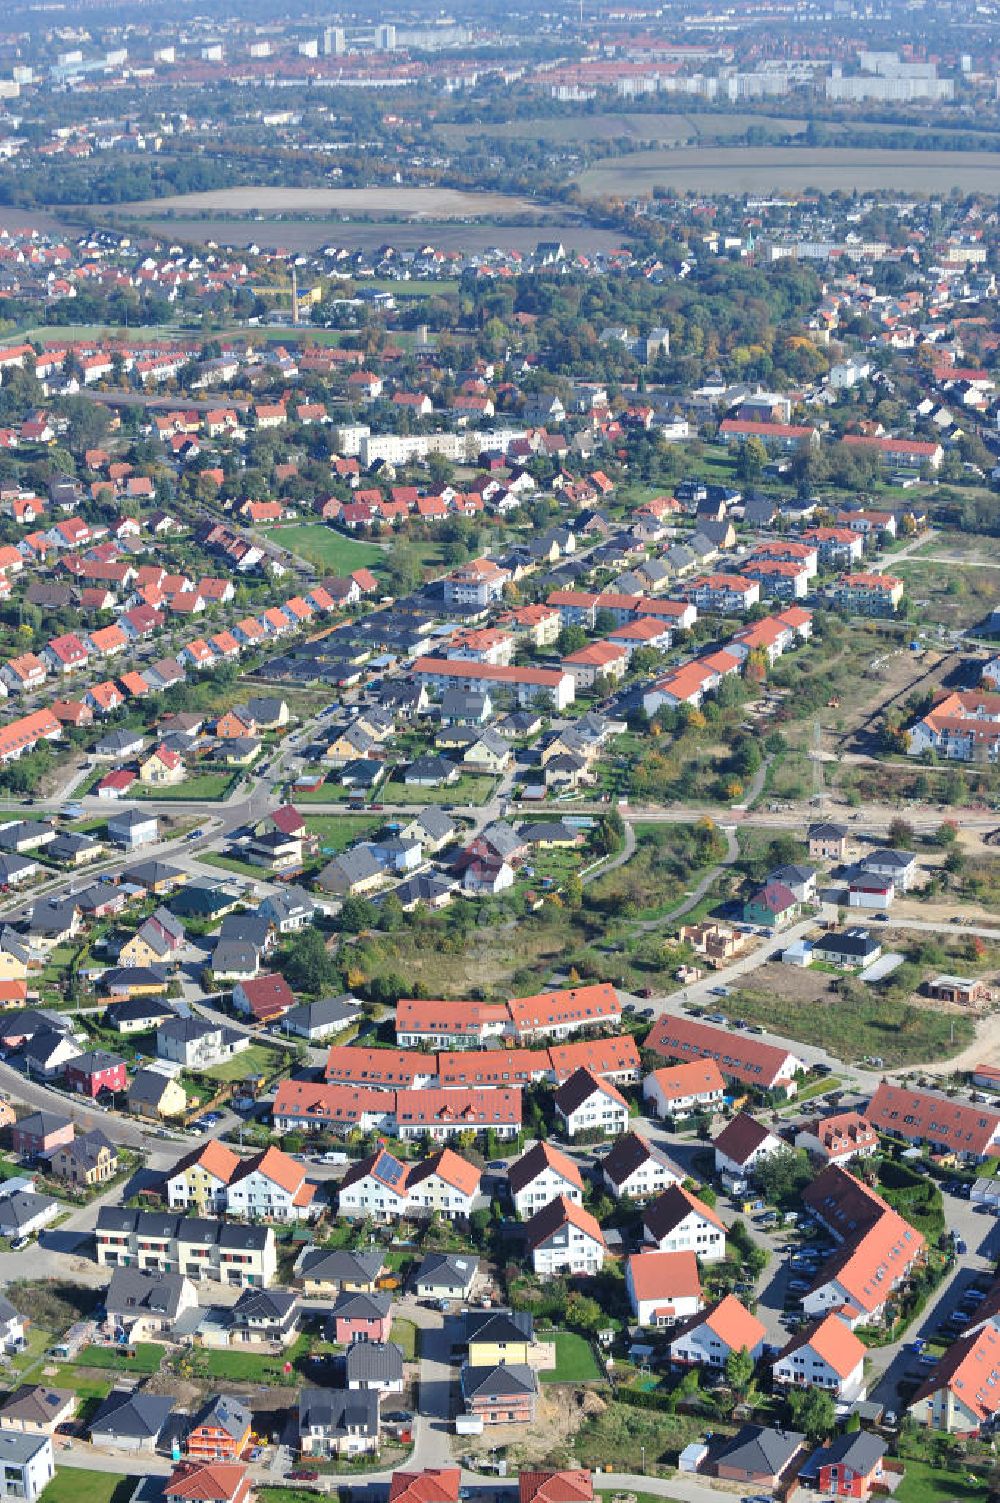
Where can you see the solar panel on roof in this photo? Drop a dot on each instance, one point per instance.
(388, 1169)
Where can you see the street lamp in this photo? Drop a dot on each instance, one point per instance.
(642, 1448)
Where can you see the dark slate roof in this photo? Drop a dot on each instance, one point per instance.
(511, 1380)
(761, 1452)
(373, 1361)
(132, 1415)
(339, 1265)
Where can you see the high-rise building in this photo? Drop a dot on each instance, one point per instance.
(385, 38)
(334, 41)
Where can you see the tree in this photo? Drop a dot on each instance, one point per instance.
(356, 914)
(571, 639)
(813, 1412)
(783, 1176)
(307, 964)
(739, 1371)
(584, 1313)
(900, 833)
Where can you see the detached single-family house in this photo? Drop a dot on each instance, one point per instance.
(564, 1238)
(679, 1222)
(586, 1103)
(825, 1354)
(663, 1287)
(707, 1339)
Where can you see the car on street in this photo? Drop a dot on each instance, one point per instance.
(716, 1017)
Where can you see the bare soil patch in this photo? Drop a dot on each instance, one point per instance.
(559, 1414)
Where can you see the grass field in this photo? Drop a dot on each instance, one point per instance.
(609, 126)
(621, 1435)
(337, 831)
(954, 593)
(404, 1334)
(257, 1060)
(231, 864)
(471, 788)
(852, 1027)
(574, 1360)
(203, 785)
(326, 548)
(926, 1484)
(73, 1484)
(710, 169)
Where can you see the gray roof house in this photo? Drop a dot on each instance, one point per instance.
(757, 1454)
(376, 1365)
(339, 1268)
(338, 1422)
(131, 1420)
(317, 1020)
(150, 1301)
(445, 1275)
(350, 873)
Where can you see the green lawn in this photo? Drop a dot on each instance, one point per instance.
(231, 864)
(404, 1334)
(574, 1360)
(327, 549)
(73, 1484)
(203, 785)
(147, 1359)
(471, 788)
(84, 1382)
(337, 831)
(257, 1060)
(927, 1484)
(240, 1367)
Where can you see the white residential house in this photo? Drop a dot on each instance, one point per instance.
(271, 1186)
(564, 1238)
(679, 1090)
(724, 1327)
(825, 1355)
(444, 1184)
(741, 1145)
(12, 1337)
(27, 1465)
(541, 1175)
(638, 1171)
(679, 1222)
(375, 1186)
(663, 1287)
(588, 1103)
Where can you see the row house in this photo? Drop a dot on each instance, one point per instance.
(197, 1247)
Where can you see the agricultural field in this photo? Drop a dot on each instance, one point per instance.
(707, 169)
(368, 234)
(265, 202)
(326, 549)
(609, 126)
